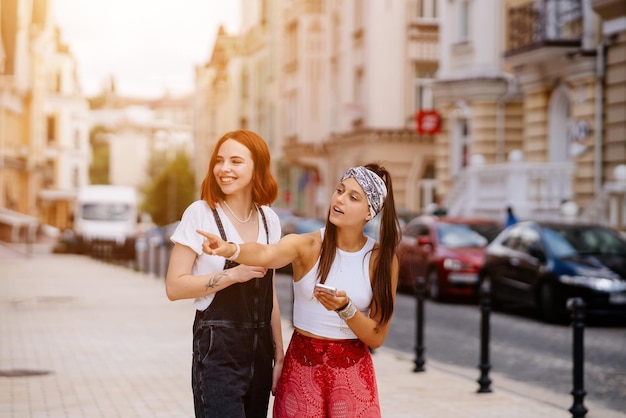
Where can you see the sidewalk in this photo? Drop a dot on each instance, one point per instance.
(82, 338)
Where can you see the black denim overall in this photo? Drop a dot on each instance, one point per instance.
(233, 348)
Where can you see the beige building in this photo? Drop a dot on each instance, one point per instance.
(141, 132)
(329, 85)
(238, 87)
(532, 109)
(43, 127)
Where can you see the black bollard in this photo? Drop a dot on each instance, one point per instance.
(485, 310)
(577, 306)
(420, 289)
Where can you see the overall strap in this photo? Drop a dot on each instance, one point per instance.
(267, 231)
(227, 263)
(220, 226)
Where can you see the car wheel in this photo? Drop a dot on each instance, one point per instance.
(433, 285)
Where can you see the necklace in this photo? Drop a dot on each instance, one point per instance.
(241, 221)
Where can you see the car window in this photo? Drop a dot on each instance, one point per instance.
(416, 230)
(458, 235)
(529, 239)
(557, 244)
(487, 230)
(593, 240)
(521, 238)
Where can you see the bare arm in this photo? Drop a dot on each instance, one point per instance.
(363, 327)
(277, 336)
(272, 256)
(181, 284)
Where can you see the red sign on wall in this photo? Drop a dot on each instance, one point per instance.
(427, 122)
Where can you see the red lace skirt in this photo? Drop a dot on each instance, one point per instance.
(327, 378)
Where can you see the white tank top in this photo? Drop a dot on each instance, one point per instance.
(349, 272)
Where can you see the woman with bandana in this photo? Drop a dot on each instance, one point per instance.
(328, 369)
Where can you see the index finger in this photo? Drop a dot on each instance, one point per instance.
(207, 235)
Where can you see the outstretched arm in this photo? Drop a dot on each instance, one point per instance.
(272, 256)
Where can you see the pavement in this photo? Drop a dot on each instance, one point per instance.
(84, 338)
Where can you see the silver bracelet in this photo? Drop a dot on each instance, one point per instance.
(349, 311)
(236, 253)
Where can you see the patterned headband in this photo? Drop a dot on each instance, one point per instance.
(371, 183)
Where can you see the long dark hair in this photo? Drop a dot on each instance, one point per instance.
(389, 238)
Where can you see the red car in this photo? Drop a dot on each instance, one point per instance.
(447, 252)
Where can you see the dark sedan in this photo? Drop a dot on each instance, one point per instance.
(446, 251)
(542, 265)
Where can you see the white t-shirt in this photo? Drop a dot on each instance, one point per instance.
(198, 215)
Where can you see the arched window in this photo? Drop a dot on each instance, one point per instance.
(558, 121)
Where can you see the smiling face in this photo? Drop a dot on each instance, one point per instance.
(233, 168)
(349, 205)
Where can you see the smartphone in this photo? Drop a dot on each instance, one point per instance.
(328, 289)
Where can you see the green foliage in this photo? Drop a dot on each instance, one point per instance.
(171, 191)
(99, 168)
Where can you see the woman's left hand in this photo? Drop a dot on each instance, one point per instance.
(330, 302)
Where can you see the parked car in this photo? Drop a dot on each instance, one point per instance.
(542, 265)
(446, 251)
(301, 225)
(372, 228)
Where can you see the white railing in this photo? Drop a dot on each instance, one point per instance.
(533, 190)
(609, 206)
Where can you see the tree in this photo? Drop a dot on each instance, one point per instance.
(172, 190)
(100, 148)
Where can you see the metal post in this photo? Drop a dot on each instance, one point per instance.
(419, 324)
(485, 308)
(420, 289)
(577, 306)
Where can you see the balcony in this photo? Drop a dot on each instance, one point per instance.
(423, 38)
(534, 190)
(536, 27)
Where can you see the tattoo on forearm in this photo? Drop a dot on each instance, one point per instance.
(214, 281)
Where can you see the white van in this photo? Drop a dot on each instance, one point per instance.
(105, 221)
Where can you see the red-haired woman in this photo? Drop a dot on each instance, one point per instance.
(328, 369)
(237, 339)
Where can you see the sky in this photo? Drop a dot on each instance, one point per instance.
(150, 46)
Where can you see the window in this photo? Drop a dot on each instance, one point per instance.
(427, 9)
(358, 14)
(77, 140)
(424, 74)
(51, 129)
(463, 24)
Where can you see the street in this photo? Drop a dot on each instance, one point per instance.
(522, 348)
(86, 338)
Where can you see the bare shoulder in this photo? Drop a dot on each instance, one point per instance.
(309, 246)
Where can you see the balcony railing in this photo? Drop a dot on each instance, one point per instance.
(549, 23)
(534, 190)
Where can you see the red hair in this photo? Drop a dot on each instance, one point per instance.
(264, 185)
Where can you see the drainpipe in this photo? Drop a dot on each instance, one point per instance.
(599, 128)
(511, 90)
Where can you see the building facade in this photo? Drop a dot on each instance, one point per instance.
(533, 108)
(43, 126)
(329, 85)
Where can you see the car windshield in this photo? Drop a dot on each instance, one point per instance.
(459, 235)
(590, 240)
(106, 212)
(558, 245)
